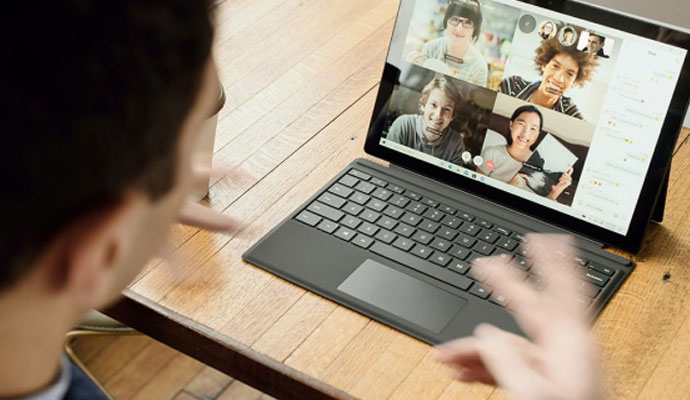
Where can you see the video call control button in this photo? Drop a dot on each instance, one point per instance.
(527, 23)
(478, 161)
(466, 156)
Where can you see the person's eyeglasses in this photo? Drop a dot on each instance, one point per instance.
(455, 21)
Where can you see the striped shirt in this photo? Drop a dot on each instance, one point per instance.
(515, 86)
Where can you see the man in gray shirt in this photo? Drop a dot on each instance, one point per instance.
(430, 132)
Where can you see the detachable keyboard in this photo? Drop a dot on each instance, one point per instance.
(428, 236)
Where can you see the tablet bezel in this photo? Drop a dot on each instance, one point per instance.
(659, 163)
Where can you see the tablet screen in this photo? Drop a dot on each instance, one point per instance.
(554, 109)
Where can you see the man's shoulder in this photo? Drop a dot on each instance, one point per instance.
(513, 84)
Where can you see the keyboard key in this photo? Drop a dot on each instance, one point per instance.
(376, 205)
(425, 267)
(603, 269)
(522, 263)
(499, 299)
(365, 187)
(332, 200)
(369, 215)
(428, 226)
(422, 237)
(345, 234)
(403, 243)
(518, 236)
(340, 190)
(359, 174)
(459, 252)
(378, 182)
(503, 254)
(395, 188)
(393, 211)
(484, 248)
(488, 236)
(451, 222)
(382, 194)
(325, 211)
(421, 251)
(415, 207)
(507, 243)
(328, 226)
(387, 223)
(447, 209)
(465, 240)
(411, 219)
(596, 278)
(582, 261)
(350, 222)
(484, 223)
(467, 217)
(429, 202)
(413, 195)
(440, 259)
(404, 230)
(349, 180)
(461, 267)
(362, 241)
(360, 198)
(588, 289)
(385, 236)
(352, 208)
(478, 274)
(502, 231)
(440, 244)
(480, 291)
(399, 201)
(447, 233)
(470, 229)
(308, 218)
(368, 229)
(434, 215)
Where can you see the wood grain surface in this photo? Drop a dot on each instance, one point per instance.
(301, 79)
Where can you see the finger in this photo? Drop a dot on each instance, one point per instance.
(203, 174)
(555, 255)
(570, 170)
(507, 366)
(200, 216)
(523, 300)
(463, 356)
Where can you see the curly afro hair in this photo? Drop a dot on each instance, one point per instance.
(552, 47)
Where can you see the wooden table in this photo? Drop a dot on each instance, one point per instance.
(301, 78)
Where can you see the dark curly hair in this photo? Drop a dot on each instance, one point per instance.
(550, 48)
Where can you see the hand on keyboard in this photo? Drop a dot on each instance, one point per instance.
(560, 360)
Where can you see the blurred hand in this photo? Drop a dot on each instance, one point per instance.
(559, 362)
(200, 216)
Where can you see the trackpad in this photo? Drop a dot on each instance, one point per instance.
(402, 295)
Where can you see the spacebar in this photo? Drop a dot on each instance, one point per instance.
(422, 266)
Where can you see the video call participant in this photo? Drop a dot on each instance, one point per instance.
(430, 132)
(547, 31)
(595, 45)
(505, 161)
(568, 36)
(561, 67)
(462, 25)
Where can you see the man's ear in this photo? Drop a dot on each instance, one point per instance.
(92, 246)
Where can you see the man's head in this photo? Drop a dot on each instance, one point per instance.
(525, 125)
(439, 103)
(100, 106)
(562, 67)
(463, 20)
(595, 43)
